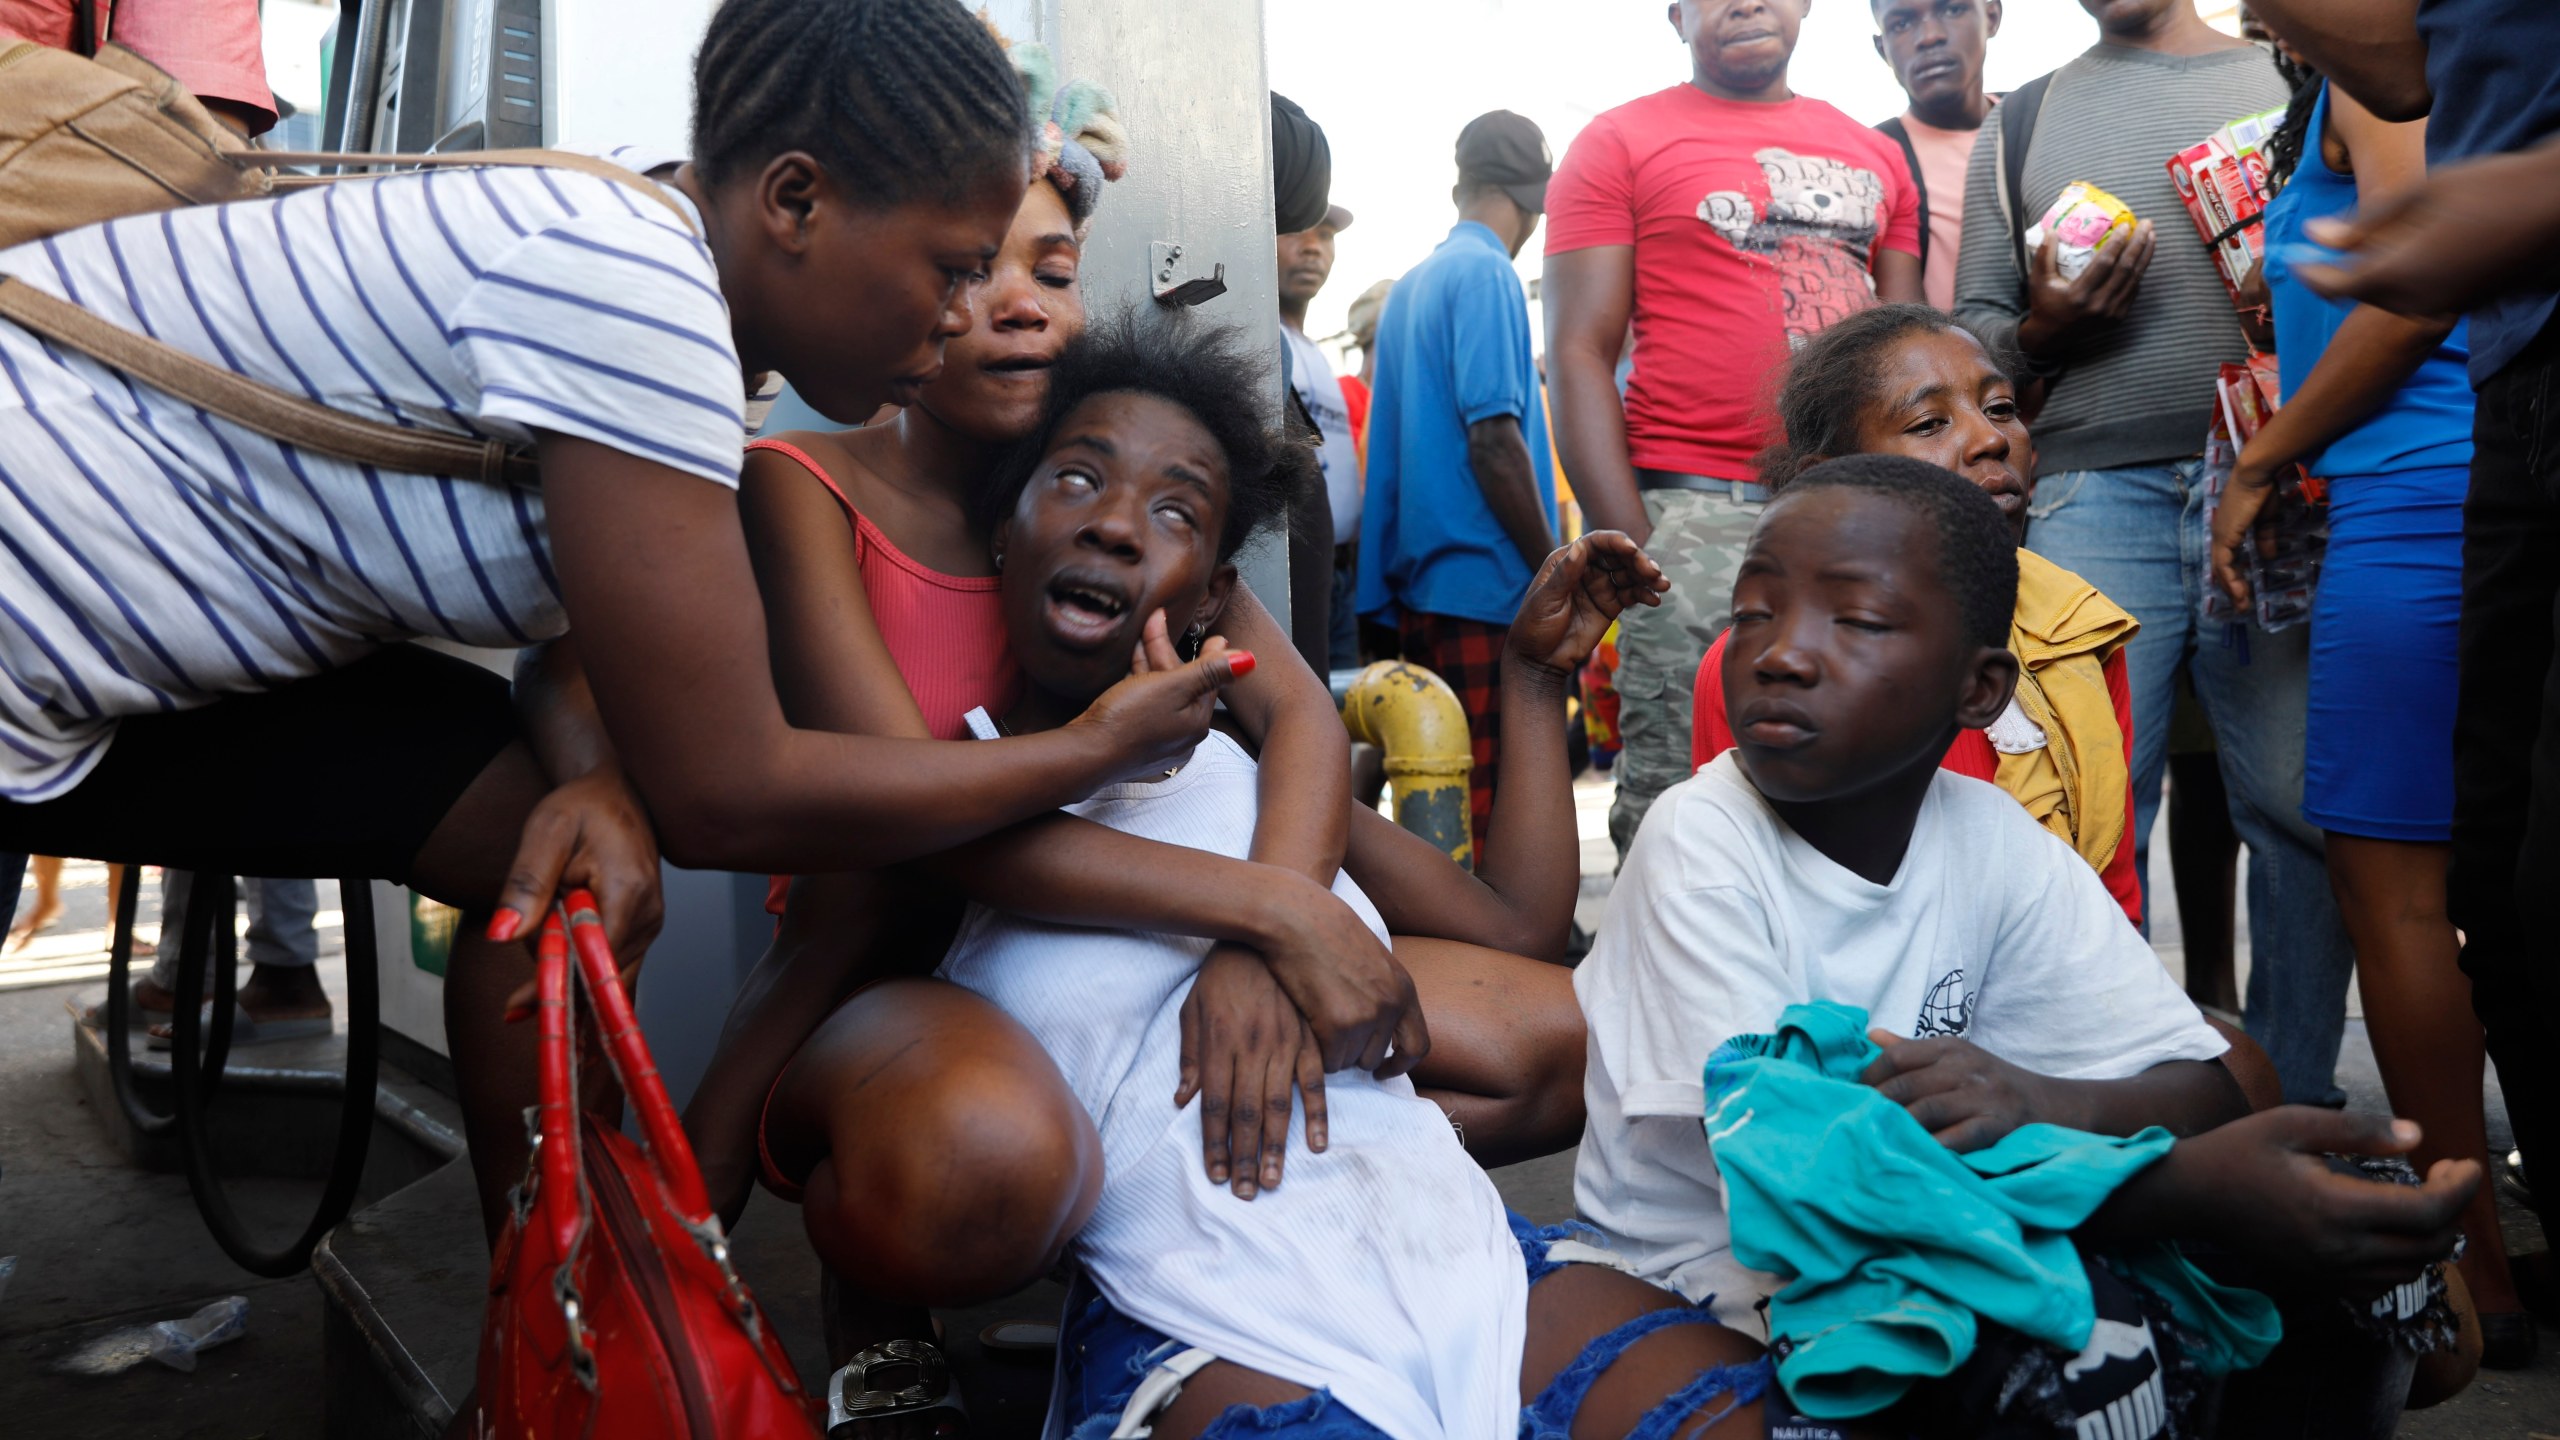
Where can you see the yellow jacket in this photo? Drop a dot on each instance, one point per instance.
(2074, 784)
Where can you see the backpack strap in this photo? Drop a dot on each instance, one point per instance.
(256, 405)
(1901, 134)
(465, 160)
(2017, 132)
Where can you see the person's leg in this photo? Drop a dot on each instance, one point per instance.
(48, 908)
(1698, 540)
(1343, 641)
(1467, 655)
(2204, 857)
(158, 988)
(2118, 530)
(1687, 1379)
(284, 952)
(837, 932)
(2425, 1038)
(1506, 1048)
(2255, 688)
(2505, 656)
(942, 1158)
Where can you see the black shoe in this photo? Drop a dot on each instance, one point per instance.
(2507, 1340)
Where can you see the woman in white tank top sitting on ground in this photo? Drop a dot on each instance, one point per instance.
(1381, 1291)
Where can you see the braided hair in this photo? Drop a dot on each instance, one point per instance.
(896, 98)
(2284, 147)
(1830, 381)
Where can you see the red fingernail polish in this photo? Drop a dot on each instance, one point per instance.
(504, 925)
(517, 1012)
(1240, 664)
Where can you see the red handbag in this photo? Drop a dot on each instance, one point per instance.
(613, 1308)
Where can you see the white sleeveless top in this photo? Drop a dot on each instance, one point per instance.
(1383, 1269)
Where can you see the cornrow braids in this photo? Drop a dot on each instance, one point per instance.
(1977, 552)
(897, 98)
(2284, 147)
(1830, 382)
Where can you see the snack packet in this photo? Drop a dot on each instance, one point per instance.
(2290, 540)
(2084, 220)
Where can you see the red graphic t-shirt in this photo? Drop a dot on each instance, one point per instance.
(1754, 226)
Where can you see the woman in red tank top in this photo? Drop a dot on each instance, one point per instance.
(883, 617)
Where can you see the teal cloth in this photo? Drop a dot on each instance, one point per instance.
(1897, 1244)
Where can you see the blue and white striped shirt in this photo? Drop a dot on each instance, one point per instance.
(154, 558)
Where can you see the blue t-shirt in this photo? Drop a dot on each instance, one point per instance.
(2497, 90)
(1453, 349)
(2426, 424)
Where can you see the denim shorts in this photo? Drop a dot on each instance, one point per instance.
(1103, 1357)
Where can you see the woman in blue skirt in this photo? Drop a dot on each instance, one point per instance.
(2378, 405)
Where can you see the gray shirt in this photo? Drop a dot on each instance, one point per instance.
(2139, 390)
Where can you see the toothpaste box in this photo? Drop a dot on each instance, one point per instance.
(2222, 180)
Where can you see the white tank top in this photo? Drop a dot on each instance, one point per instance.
(1383, 1269)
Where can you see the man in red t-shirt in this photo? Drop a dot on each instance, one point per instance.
(1730, 218)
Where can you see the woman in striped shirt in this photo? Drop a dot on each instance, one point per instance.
(200, 627)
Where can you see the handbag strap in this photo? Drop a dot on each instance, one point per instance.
(555, 1158)
(469, 160)
(661, 1129)
(256, 405)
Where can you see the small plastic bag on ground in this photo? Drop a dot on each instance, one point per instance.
(174, 1343)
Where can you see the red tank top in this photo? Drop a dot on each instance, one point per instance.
(946, 632)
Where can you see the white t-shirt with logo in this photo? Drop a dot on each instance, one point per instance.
(1723, 916)
(1312, 376)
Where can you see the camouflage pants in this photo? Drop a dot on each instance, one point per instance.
(1698, 537)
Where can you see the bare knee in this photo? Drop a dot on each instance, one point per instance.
(964, 1185)
(2249, 1067)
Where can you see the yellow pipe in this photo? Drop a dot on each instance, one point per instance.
(1414, 717)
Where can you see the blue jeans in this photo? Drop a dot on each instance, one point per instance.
(2138, 535)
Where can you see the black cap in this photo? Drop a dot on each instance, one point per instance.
(1301, 168)
(1508, 151)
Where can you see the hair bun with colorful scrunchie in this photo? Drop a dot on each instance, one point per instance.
(1081, 143)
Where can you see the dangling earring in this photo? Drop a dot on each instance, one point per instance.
(1191, 642)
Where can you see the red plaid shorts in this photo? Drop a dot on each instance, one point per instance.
(1467, 654)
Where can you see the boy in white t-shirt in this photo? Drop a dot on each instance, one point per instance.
(1828, 857)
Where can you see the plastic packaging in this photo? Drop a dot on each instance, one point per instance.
(175, 1343)
(2291, 535)
(2083, 221)
(2222, 180)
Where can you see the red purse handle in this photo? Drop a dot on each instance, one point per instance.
(662, 1132)
(556, 1124)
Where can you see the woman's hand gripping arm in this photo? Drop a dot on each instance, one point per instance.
(1246, 1042)
(659, 588)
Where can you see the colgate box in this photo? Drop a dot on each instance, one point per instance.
(2222, 180)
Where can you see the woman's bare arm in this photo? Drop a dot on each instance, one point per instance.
(659, 588)
(1521, 897)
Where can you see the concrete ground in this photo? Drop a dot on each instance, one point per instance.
(103, 1248)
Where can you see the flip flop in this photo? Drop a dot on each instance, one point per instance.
(247, 1031)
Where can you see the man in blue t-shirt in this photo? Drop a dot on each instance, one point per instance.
(1461, 504)
(2481, 235)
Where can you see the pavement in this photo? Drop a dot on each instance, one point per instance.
(104, 1249)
